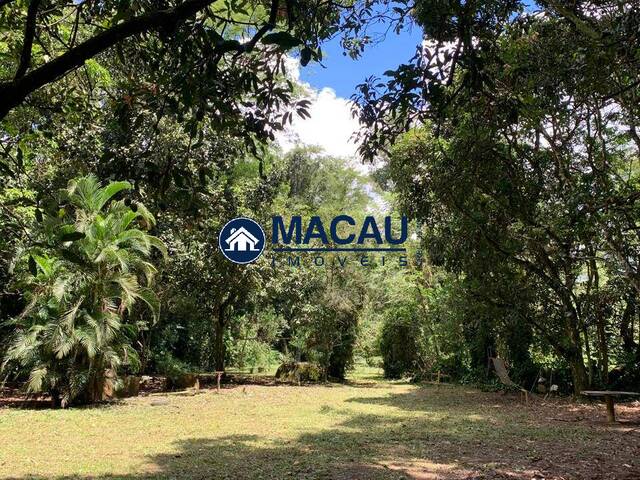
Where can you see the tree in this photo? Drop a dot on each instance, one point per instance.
(527, 157)
(321, 305)
(221, 290)
(46, 42)
(84, 276)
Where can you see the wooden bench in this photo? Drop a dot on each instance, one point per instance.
(609, 396)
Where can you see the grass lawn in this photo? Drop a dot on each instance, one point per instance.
(369, 429)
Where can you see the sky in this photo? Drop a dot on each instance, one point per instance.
(331, 85)
(343, 74)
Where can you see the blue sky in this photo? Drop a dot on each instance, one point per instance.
(331, 125)
(342, 74)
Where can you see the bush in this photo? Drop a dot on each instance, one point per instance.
(374, 362)
(399, 347)
(299, 372)
(172, 368)
(81, 281)
(341, 357)
(256, 355)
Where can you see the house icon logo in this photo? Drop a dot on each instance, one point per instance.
(241, 240)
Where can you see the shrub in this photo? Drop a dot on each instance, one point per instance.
(256, 355)
(172, 368)
(90, 266)
(399, 345)
(299, 372)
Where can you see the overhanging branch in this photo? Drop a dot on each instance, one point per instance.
(13, 93)
(27, 43)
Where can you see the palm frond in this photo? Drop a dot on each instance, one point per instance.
(151, 299)
(70, 315)
(36, 378)
(159, 245)
(83, 192)
(129, 288)
(87, 338)
(106, 193)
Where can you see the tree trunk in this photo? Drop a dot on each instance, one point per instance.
(574, 352)
(579, 373)
(218, 341)
(587, 346)
(626, 325)
(603, 350)
(56, 399)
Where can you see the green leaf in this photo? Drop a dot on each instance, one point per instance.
(71, 257)
(98, 73)
(283, 39)
(110, 190)
(149, 297)
(305, 56)
(159, 245)
(36, 378)
(72, 236)
(45, 264)
(22, 201)
(33, 268)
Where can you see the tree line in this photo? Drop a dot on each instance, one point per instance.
(132, 131)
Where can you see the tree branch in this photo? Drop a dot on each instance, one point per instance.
(14, 93)
(271, 23)
(582, 25)
(27, 43)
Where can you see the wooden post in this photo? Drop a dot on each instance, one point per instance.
(219, 375)
(611, 411)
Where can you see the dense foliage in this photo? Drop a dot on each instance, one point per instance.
(84, 276)
(524, 173)
(131, 132)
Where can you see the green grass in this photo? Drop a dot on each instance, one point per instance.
(368, 428)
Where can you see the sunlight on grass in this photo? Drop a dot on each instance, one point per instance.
(364, 429)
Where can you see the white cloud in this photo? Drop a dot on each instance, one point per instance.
(331, 125)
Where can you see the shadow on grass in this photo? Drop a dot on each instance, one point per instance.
(17, 399)
(420, 434)
(365, 447)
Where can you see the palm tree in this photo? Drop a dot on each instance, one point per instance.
(92, 265)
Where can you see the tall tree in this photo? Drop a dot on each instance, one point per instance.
(528, 156)
(45, 41)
